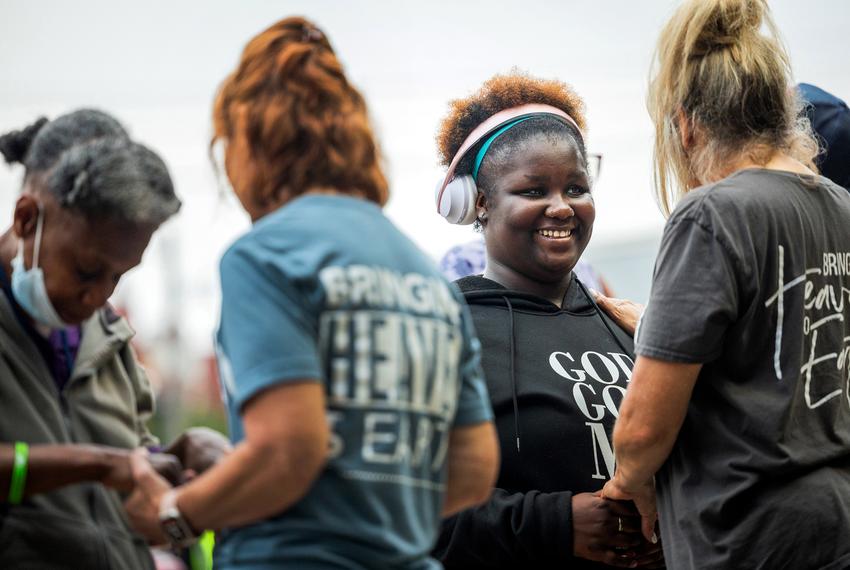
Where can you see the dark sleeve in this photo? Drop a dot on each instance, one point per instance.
(508, 531)
(694, 297)
(473, 404)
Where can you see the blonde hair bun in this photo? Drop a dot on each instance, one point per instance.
(726, 23)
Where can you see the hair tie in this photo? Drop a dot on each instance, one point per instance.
(310, 34)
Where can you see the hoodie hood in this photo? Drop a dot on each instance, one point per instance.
(479, 290)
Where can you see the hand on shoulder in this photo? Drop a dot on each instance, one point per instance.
(622, 311)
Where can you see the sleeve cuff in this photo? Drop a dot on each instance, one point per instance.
(675, 356)
(272, 373)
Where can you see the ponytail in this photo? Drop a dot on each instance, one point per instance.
(15, 146)
(303, 124)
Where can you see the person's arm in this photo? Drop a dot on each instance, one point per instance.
(50, 467)
(651, 415)
(284, 451)
(519, 528)
(473, 464)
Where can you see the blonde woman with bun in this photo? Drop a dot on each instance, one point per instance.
(738, 411)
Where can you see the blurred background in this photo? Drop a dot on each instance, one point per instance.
(156, 65)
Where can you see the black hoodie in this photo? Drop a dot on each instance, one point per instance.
(556, 377)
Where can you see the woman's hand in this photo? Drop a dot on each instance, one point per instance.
(649, 555)
(622, 311)
(606, 531)
(168, 466)
(142, 506)
(199, 448)
(119, 476)
(610, 532)
(643, 498)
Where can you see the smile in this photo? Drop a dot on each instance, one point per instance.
(555, 234)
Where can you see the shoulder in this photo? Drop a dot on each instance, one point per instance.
(730, 206)
(267, 242)
(744, 193)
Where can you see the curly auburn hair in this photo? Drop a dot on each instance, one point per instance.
(304, 124)
(498, 93)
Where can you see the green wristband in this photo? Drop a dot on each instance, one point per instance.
(19, 473)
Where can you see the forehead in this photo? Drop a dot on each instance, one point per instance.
(555, 153)
(97, 240)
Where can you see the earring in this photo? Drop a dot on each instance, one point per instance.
(482, 215)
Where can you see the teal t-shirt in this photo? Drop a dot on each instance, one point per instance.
(327, 288)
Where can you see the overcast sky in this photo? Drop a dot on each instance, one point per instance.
(156, 65)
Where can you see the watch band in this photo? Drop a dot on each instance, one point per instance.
(175, 526)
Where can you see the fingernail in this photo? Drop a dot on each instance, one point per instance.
(654, 538)
(593, 291)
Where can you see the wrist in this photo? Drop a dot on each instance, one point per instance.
(175, 525)
(626, 483)
(104, 462)
(19, 473)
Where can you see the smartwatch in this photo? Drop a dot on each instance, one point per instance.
(175, 526)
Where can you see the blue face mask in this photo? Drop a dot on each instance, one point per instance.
(28, 284)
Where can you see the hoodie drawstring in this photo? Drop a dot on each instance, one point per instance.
(512, 343)
(601, 316)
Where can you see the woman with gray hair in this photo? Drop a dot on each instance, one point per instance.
(738, 404)
(70, 386)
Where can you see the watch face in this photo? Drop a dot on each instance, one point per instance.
(173, 530)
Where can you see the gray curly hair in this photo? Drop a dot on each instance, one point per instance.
(88, 162)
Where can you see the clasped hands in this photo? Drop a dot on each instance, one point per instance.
(148, 476)
(609, 531)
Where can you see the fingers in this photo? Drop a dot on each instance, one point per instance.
(146, 479)
(603, 300)
(625, 540)
(629, 526)
(653, 560)
(648, 527)
(624, 312)
(612, 492)
(622, 508)
(648, 514)
(139, 464)
(168, 466)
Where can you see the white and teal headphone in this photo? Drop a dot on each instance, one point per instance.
(456, 195)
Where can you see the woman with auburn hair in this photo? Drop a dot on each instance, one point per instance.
(555, 367)
(739, 404)
(348, 365)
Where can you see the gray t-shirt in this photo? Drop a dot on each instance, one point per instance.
(753, 281)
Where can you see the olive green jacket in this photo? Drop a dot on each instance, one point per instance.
(106, 401)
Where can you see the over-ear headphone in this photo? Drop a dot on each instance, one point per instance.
(456, 195)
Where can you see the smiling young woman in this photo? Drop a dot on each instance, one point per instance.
(538, 216)
(555, 368)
